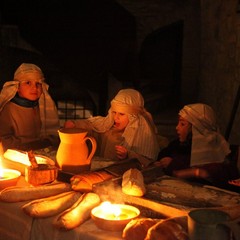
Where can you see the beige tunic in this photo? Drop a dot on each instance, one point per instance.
(19, 126)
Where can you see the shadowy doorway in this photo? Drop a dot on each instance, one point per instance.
(160, 62)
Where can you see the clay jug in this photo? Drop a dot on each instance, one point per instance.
(74, 155)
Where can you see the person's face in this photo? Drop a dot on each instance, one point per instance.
(183, 129)
(120, 120)
(30, 87)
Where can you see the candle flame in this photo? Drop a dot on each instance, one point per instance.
(109, 208)
(1, 168)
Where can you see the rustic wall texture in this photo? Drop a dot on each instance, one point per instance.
(211, 49)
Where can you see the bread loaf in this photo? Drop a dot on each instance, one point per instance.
(78, 213)
(17, 194)
(51, 206)
(137, 229)
(167, 230)
(133, 183)
(84, 182)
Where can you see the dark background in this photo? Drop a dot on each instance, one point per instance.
(78, 42)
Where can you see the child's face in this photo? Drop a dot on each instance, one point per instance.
(120, 120)
(30, 87)
(183, 129)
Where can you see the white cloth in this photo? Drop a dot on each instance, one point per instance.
(140, 135)
(208, 145)
(48, 110)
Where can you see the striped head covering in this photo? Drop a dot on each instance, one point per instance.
(140, 135)
(208, 145)
(48, 110)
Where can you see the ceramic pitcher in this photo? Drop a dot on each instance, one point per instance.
(74, 155)
(211, 224)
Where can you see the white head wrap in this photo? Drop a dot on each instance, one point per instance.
(48, 111)
(208, 145)
(140, 135)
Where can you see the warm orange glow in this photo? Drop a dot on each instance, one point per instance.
(22, 157)
(113, 217)
(110, 211)
(9, 177)
(1, 167)
(6, 174)
(1, 172)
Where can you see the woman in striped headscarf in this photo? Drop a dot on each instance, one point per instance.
(28, 115)
(127, 131)
(200, 151)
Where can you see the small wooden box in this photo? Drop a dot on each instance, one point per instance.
(43, 174)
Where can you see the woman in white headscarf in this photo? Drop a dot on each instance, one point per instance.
(28, 115)
(127, 131)
(200, 150)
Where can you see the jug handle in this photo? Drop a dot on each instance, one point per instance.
(94, 147)
(234, 226)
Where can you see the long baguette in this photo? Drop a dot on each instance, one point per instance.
(78, 213)
(18, 194)
(51, 206)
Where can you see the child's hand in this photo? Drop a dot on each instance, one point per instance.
(164, 162)
(69, 124)
(121, 151)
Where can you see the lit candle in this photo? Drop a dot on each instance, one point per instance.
(8, 177)
(8, 174)
(113, 217)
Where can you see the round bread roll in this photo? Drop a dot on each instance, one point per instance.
(166, 230)
(133, 183)
(137, 228)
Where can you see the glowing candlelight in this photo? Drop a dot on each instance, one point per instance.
(8, 177)
(113, 217)
(6, 174)
(1, 173)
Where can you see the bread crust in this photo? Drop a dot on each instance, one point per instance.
(18, 194)
(137, 229)
(47, 207)
(78, 213)
(133, 183)
(84, 182)
(166, 230)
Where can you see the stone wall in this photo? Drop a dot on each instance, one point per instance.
(154, 14)
(219, 62)
(211, 56)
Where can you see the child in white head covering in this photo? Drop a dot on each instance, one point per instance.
(208, 145)
(200, 151)
(28, 115)
(127, 131)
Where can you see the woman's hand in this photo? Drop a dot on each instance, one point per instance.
(121, 152)
(164, 162)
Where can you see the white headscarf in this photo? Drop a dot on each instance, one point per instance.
(48, 111)
(140, 135)
(208, 145)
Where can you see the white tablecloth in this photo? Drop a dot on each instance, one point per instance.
(16, 225)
